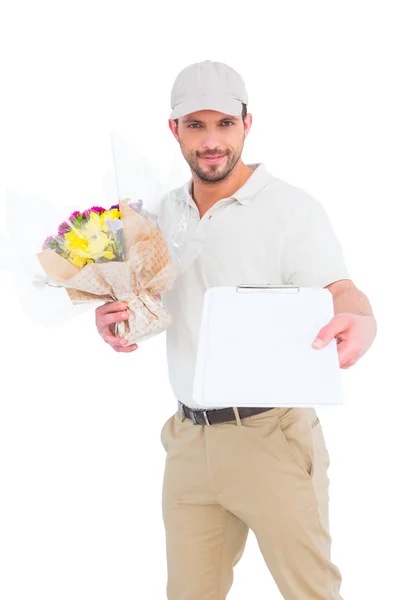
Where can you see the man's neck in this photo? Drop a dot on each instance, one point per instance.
(206, 194)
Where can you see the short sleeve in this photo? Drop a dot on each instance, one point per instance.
(311, 254)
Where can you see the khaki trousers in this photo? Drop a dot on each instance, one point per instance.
(267, 472)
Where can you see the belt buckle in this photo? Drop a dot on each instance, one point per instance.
(193, 417)
(206, 418)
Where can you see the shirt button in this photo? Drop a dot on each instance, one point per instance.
(209, 217)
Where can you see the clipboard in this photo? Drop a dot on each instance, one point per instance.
(255, 348)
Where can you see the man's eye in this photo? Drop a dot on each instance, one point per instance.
(195, 125)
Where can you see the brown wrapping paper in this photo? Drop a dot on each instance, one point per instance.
(147, 271)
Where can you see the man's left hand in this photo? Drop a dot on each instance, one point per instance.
(354, 335)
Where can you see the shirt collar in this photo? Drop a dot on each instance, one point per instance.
(257, 180)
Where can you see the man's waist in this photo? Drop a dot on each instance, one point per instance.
(211, 416)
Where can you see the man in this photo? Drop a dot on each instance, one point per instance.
(228, 470)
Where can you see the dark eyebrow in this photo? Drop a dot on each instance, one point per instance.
(188, 120)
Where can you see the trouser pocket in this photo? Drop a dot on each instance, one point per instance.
(164, 433)
(297, 437)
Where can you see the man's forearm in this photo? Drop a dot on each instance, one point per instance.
(352, 300)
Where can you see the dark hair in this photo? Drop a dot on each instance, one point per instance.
(244, 113)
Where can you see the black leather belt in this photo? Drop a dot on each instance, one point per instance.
(219, 415)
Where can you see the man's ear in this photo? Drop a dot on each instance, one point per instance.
(248, 120)
(173, 127)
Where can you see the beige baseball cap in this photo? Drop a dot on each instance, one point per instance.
(208, 85)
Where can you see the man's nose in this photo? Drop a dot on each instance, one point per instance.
(210, 141)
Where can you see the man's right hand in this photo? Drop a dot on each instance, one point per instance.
(108, 313)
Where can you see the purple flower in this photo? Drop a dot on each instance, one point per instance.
(114, 225)
(46, 241)
(64, 225)
(137, 206)
(97, 209)
(114, 206)
(86, 213)
(74, 214)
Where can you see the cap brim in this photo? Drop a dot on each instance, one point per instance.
(220, 103)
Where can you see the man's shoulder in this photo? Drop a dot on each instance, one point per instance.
(290, 197)
(171, 206)
(175, 193)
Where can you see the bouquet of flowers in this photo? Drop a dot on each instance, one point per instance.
(113, 255)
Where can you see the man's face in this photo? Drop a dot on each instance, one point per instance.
(211, 142)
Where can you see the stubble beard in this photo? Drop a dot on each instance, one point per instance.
(214, 173)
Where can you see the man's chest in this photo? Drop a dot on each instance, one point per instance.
(238, 245)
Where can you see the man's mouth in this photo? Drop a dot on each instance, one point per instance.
(213, 159)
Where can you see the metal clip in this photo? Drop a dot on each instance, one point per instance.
(244, 287)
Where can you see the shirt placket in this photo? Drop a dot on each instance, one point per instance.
(217, 207)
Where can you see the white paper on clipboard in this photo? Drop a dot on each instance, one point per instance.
(255, 348)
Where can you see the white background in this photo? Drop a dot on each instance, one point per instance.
(81, 462)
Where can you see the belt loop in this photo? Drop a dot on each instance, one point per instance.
(181, 415)
(238, 421)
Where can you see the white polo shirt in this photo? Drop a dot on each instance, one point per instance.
(269, 231)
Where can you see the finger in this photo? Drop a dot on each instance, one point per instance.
(114, 340)
(130, 348)
(348, 363)
(110, 307)
(113, 317)
(347, 354)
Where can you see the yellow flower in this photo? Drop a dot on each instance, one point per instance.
(90, 243)
(74, 241)
(96, 246)
(108, 215)
(78, 261)
(94, 225)
(105, 228)
(114, 213)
